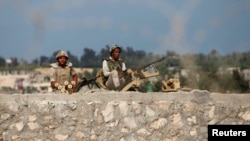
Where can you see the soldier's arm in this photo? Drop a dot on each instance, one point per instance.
(52, 77)
(124, 68)
(74, 76)
(106, 71)
(123, 71)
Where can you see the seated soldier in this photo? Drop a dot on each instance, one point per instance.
(114, 70)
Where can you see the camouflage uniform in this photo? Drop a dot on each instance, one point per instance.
(60, 74)
(110, 71)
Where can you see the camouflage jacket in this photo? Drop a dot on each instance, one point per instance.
(59, 74)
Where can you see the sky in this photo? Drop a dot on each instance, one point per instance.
(31, 28)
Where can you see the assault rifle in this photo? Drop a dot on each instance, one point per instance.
(89, 82)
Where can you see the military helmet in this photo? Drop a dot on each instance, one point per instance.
(61, 53)
(114, 47)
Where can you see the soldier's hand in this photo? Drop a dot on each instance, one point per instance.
(54, 84)
(120, 74)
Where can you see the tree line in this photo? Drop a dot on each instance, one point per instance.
(202, 71)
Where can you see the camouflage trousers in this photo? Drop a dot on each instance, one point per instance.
(115, 82)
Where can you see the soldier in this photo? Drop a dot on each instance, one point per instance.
(114, 69)
(62, 75)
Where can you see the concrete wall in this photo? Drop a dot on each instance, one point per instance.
(114, 116)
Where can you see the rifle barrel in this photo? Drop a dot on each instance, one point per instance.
(159, 60)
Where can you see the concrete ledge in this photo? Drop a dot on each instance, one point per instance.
(120, 116)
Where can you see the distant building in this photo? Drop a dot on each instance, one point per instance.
(246, 74)
(8, 61)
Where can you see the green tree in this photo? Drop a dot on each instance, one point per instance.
(2, 62)
(245, 61)
(44, 61)
(88, 59)
(35, 62)
(73, 59)
(240, 84)
(172, 59)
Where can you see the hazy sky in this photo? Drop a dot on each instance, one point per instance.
(31, 28)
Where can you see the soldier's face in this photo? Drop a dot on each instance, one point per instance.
(62, 60)
(116, 53)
